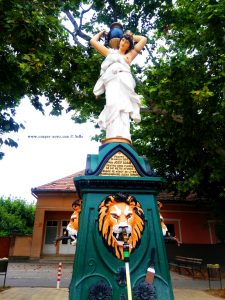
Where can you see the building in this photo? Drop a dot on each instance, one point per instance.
(53, 211)
(190, 222)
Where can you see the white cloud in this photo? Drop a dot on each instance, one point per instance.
(45, 158)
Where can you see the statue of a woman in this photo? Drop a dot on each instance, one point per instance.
(116, 80)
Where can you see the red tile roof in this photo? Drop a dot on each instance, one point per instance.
(65, 184)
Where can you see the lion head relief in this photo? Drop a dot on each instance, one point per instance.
(116, 213)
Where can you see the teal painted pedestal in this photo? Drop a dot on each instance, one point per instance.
(97, 273)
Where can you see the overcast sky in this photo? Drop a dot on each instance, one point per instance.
(49, 148)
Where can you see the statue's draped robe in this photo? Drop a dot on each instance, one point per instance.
(122, 103)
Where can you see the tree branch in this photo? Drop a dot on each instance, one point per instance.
(76, 41)
(84, 11)
(77, 29)
(158, 111)
(71, 18)
(112, 3)
(150, 53)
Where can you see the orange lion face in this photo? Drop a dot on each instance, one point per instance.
(74, 219)
(117, 213)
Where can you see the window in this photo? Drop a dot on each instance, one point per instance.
(65, 232)
(171, 229)
(52, 223)
(51, 232)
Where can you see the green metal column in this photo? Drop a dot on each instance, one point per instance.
(97, 272)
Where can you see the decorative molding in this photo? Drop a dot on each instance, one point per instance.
(119, 183)
(92, 265)
(144, 291)
(100, 291)
(126, 152)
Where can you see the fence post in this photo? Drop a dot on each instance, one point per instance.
(214, 274)
(59, 275)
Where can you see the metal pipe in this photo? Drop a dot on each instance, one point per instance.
(129, 293)
(126, 256)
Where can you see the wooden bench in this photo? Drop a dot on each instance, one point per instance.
(191, 264)
(3, 268)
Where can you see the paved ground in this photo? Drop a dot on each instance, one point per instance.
(25, 293)
(35, 293)
(37, 274)
(29, 281)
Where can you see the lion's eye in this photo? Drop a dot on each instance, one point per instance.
(129, 216)
(114, 216)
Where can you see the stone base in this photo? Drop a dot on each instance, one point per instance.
(116, 139)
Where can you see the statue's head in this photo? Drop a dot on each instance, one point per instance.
(129, 41)
(116, 34)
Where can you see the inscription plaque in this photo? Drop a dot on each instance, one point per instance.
(119, 165)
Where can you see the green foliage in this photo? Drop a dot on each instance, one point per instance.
(184, 136)
(37, 58)
(182, 131)
(16, 216)
(29, 32)
(219, 210)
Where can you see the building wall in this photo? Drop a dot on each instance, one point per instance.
(50, 207)
(5, 246)
(21, 246)
(193, 225)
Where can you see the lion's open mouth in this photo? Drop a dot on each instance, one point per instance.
(119, 236)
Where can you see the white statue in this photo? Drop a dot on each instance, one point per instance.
(117, 82)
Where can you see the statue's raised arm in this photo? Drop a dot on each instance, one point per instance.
(116, 81)
(98, 46)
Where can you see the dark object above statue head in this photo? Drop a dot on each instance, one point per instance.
(115, 35)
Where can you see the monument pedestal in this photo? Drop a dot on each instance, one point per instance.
(97, 272)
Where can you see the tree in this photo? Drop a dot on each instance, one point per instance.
(16, 215)
(38, 59)
(182, 131)
(184, 136)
